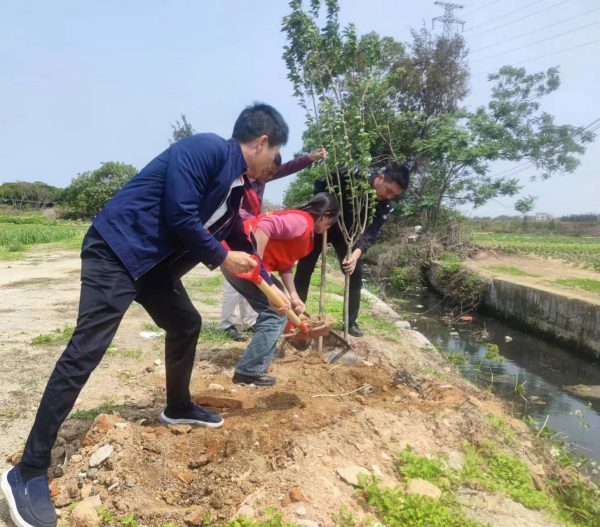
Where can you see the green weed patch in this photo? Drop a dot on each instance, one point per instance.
(493, 353)
(92, 413)
(507, 269)
(582, 283)
(411, 466)
(397, 509)
(58, 336)
(492, 470)
(209, 285)
(210, 334)
(14, 236)
(501, 472)
(456, 358)
(273, 519)
(125, 353)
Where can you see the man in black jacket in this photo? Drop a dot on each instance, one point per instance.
(388, 184)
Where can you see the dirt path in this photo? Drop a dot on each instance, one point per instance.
(541, 273)
(40, 295)
(282, 447)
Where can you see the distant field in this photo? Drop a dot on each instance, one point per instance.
(18, 232)
(573, 249)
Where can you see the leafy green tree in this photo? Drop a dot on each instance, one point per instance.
(455, 155)
(525, 204)
(90, 191)
(300, 189)
(333, 72)
(181, 129)
(451, 149)
(25, 194)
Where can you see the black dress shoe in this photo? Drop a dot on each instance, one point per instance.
(257, 380)
(234, 334)
(354, 330)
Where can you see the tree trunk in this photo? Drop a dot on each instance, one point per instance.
(347, 296)
(322, 292)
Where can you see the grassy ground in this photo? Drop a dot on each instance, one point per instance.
(582, 283)
(572, 249)
(507, 269)
(20, 233)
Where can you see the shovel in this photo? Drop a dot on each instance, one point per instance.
(301, 341)
(272, 293)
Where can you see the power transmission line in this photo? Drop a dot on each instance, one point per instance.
(515, 170)
(482, 7)
(547, 55)
(595, 123)
(534, 31)
(597, 127)
(536, 42)
(519, 19)
(505, 15)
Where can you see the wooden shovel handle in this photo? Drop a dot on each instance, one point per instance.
(274, 297)
(271, 293)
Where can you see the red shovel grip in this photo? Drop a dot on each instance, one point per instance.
(254, 274)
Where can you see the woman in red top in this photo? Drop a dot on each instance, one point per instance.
(282, 238)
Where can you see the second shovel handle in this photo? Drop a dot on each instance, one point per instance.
(276, 299)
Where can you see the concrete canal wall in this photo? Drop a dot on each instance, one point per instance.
(573, 322)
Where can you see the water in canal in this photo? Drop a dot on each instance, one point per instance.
(532, 375)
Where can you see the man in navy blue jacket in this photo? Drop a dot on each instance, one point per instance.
(171, 216)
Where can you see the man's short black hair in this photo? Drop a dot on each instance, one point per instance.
(396, 173)
(261, 119)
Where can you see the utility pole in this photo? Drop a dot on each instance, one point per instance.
(448, 19)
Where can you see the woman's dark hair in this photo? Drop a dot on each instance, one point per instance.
(322, 204)
(261, 119)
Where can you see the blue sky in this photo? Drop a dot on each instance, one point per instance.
(87, 82)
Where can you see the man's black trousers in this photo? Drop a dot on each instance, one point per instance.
(107, 290)
(306, 266)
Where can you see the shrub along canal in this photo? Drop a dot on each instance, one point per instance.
(525, 370)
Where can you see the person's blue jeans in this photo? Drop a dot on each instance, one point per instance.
(268, 328)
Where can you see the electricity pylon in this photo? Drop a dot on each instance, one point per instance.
(448, 19)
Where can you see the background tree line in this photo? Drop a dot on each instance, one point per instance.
(25, 194)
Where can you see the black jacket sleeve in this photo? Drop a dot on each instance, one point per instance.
(369, 237)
